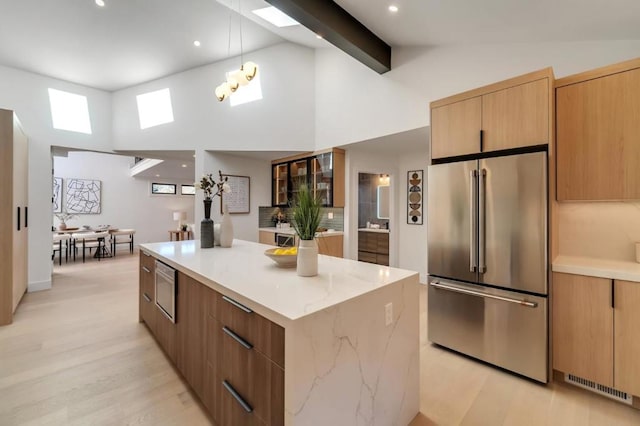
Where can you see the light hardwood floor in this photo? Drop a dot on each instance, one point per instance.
(76, 355)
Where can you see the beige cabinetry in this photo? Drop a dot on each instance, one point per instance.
(514, 113)
(331, 245)
(232, 357)
(597, 134)
(596, 330)
(267, 237)
(14, 214)
(373, 247)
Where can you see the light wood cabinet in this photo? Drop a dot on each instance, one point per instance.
(516, 117)
(13, 214)
(598, 134)
(582, 327)
(331, 245)
(514, 113)
(266, 237)
(456, 128)
(627, 336)
(596, 330)
(217, 341)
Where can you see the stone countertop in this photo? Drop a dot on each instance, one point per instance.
(291, 231)
(602, 268)
(245, 273)
(378, 230)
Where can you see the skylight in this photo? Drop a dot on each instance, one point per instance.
(69, 111)
(249, 93)
(154, 108)
(276, 17)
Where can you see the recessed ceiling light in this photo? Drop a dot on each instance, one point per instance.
(393, 8)
(276, 17)
(319, 37)
(196, 43)
(100, 3)
(157, 175)
(184, 165)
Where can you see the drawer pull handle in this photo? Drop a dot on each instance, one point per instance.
(144, 268)
(147, 298)
(437, 285)
(237, 338)
(237, 396)
(237, 305)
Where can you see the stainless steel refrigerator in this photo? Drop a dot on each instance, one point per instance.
(488, 267)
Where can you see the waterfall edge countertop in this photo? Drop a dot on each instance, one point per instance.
(602, 268)
(279, 294)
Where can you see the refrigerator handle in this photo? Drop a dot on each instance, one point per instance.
(482, 267)
(473, 186)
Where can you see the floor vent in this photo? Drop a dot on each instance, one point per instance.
(612, 393)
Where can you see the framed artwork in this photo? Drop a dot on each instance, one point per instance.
(83, 196)
(187, 190)
(163, 188)
(415, 197)
(240, 197)
(57, 195)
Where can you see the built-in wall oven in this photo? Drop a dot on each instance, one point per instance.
(166, 290)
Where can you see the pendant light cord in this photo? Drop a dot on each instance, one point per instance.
(241, 50)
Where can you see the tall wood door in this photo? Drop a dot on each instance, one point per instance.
(21, 201)
(516, 117)
(582, 327)
(627, 336)
(7, 217)
(598, 134)
(455, 128)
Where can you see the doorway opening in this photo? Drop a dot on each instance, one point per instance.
(373, 217)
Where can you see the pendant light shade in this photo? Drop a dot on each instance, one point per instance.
(223, 91)
(249, 69)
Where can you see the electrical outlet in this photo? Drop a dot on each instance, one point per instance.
(330, 215)
(388, 313)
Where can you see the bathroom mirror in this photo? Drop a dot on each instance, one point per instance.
(383, 202)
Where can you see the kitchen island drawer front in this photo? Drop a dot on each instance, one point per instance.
(254, 382)
(264, 335)
(147, 261)
(503, 328)
(147, 291)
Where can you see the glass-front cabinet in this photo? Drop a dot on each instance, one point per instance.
(280, 185)
(323, 172)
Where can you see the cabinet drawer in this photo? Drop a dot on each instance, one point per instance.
(382, 246)
(147, 309)
(264, 335)
(364, 256)
(147, 261)
(382, 259)
(256, 381)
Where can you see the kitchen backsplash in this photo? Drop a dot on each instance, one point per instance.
(266, 214)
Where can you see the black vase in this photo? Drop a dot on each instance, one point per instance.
(206, 226)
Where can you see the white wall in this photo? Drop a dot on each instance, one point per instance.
(354, 103)
(27, 95)
(282, 120)
(245, 226)
(126, 202)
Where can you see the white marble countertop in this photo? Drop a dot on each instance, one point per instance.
(243, 272)
(379, 230)
(602, 268)
(291, 231)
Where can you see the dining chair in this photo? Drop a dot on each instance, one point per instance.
(91, 240)
(58, 240)
(114, 241)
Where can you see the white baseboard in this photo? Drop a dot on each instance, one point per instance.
(39, 286)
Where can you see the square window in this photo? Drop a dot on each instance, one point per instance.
(69, 111)
(187, 190)
(249, 93)
(154, 108)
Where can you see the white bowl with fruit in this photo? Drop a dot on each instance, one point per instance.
(285, 257)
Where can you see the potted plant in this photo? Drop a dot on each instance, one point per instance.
(306, 219)
(211, 189)
(63, 217)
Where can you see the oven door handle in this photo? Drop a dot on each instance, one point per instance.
(437, 285)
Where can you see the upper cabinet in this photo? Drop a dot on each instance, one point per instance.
(598, 134)
(511, 114)
(323, 172)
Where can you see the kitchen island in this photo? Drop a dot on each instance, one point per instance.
(260, 345)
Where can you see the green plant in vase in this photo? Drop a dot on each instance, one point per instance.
(306, 214)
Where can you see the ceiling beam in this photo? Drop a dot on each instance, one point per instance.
(337, 26)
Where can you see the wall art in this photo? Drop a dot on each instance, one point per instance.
(57, 195)
(415, 197)
(83, 196)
